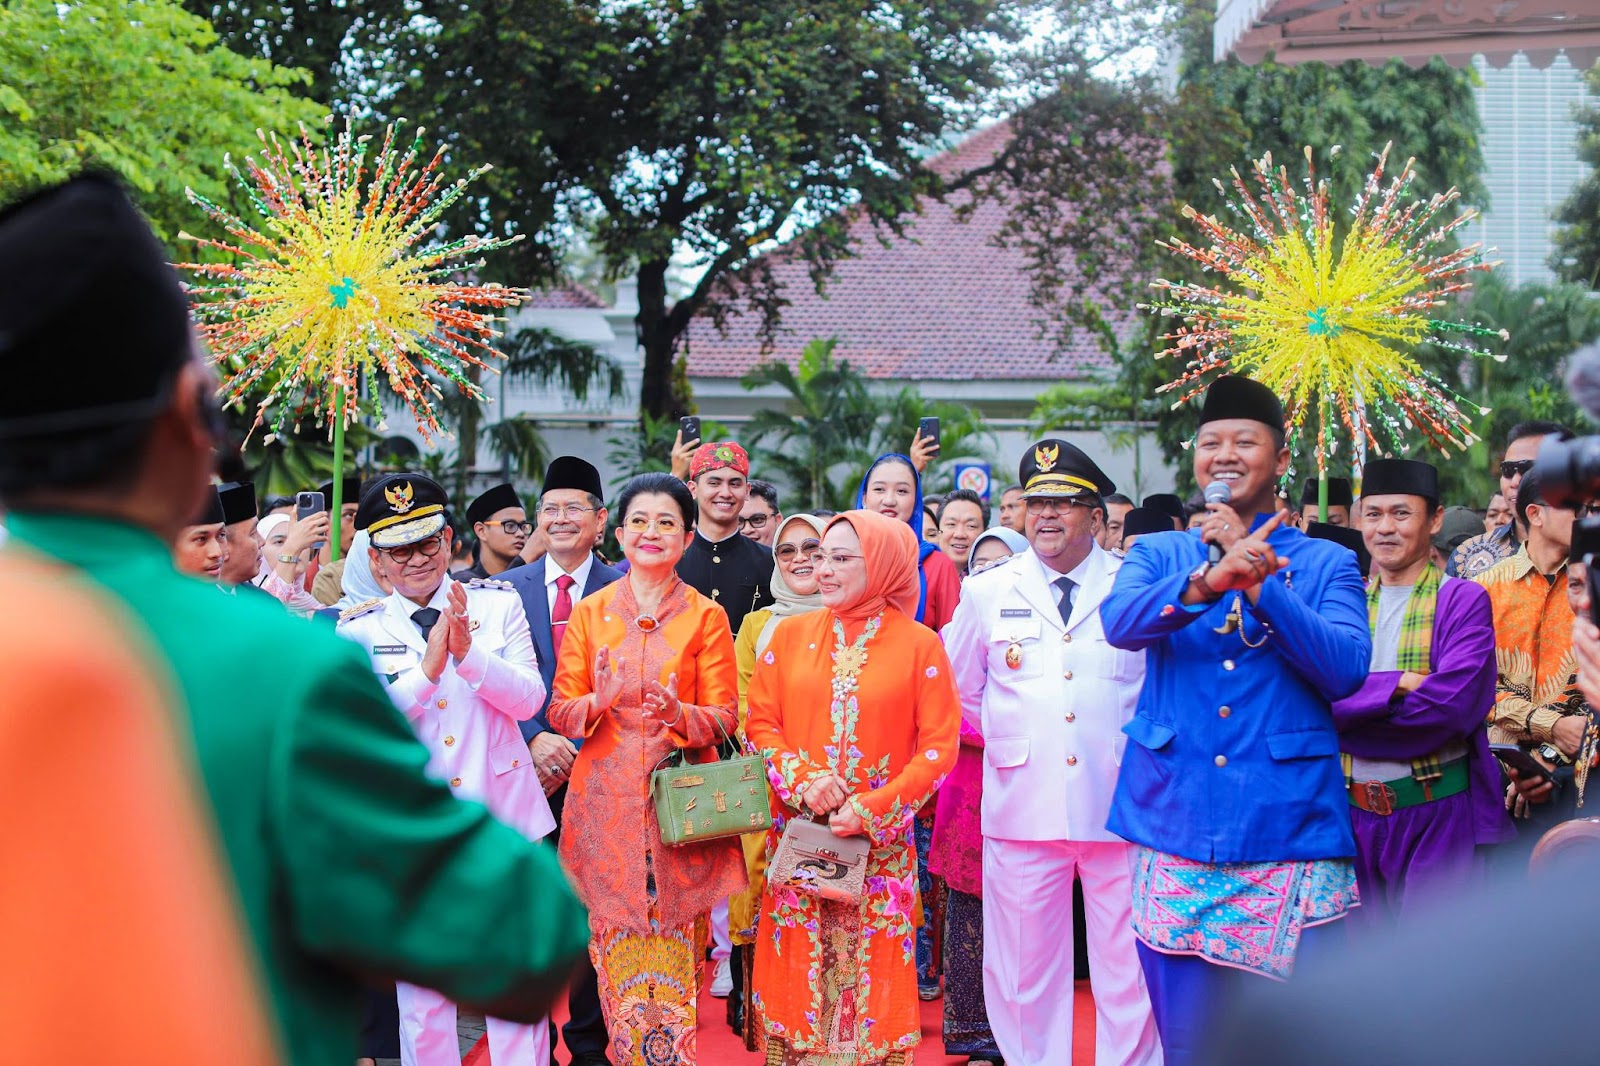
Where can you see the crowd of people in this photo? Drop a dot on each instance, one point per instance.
(1230, 724)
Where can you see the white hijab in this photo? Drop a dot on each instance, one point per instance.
(357, 582)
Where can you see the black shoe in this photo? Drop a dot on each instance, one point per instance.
(591, 1058)
(736, 1015)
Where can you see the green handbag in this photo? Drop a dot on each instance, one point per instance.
(710, 800)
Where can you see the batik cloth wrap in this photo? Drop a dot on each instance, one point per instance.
(1247, 915)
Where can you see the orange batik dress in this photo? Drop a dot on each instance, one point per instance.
(648, 903)
(873, 701)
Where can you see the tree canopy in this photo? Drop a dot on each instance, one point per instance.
(138, 87)
(1577, 253)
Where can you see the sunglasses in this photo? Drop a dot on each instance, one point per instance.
(811, 549)
(1515, 468)
(406, 552)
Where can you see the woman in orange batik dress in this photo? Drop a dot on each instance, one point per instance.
(856, 711)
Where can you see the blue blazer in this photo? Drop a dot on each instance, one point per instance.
(529, 581)
(1232, 754)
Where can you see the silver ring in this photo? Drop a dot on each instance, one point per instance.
(555, 769)
(1225, 526)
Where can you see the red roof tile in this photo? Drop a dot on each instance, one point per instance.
(944, 303)
(568, 295)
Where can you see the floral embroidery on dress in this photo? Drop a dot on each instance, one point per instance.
(932, 671)
(769, 658)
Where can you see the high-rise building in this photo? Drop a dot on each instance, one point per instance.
(1530, 155)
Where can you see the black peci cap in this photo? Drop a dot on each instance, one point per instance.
(1400, 477)
(1345, 537)
(1236, 396)
(351, 494)
(1060, 468)
(84, 283)
(238, 501)
(1168, 503)
(211, 513)
(570, 472)
(496, 499)
(1141, 520)
(1339, 493)
(402, 509)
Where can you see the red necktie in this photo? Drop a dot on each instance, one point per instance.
(561, 611)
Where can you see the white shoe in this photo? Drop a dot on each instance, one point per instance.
(722, 980)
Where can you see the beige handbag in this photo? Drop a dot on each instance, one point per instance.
(811, 859)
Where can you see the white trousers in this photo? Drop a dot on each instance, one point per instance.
(428, 1033)
(1028, 951)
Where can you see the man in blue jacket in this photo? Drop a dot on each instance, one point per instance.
(572, 515)
(1230, 781)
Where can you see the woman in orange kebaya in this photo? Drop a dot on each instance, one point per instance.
(646, 669)
(857, 714)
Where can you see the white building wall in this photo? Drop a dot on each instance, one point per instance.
(1530, 159)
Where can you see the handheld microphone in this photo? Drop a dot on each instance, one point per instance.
(1217, 492)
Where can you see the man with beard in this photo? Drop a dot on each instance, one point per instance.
(1229, 783)
(1424, 790)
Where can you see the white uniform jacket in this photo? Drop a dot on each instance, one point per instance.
(1050, 699)
(468, 720)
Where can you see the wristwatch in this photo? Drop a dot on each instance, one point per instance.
(288, 558)
(1197, 576)
(1551, 754)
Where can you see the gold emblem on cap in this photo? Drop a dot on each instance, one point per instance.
(399, 497)
(1046, 457)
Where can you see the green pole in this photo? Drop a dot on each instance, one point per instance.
(1322, 497)
(337, 503)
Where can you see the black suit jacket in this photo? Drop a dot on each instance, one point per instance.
(529, 582)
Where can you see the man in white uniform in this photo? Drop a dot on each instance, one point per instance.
(1050, 697)
(460, 665)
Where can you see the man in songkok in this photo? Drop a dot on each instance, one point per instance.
(1340, 500)
(347, 861)
(572, 513)
(1229, 782)
(1049, 697)
(1425, 793)
(201, 546)
(501, 527)
(244, 565)
(460, 666)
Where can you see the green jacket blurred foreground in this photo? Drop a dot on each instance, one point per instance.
(350, 864)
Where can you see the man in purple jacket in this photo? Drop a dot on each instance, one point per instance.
(1424, 791)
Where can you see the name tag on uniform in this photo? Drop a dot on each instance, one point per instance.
(1016, 612)
(390, 649)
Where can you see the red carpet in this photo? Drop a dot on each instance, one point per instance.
(719, 1047)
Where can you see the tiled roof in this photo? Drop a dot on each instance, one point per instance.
(569, 295)
(941, 304)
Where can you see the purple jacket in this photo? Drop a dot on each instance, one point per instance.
(1453, 703)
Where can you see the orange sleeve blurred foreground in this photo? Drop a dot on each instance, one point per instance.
(121, 941)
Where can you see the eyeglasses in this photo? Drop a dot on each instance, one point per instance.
(1515, 468)
(1588, 510)
(572, 512)
(405, 552)
(1054, 503)
(811, 549)
(511, 527)
(638, 523)
(755, 521)
(838, 558)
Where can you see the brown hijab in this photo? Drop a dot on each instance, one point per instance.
(890, 551)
